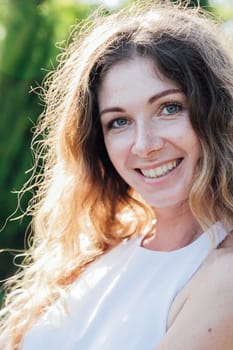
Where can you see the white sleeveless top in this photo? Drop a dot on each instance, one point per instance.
(123, 299)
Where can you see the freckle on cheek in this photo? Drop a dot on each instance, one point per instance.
(209, 330)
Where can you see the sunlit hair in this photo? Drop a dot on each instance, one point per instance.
(82, 207)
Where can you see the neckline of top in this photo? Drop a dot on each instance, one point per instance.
(212, 237)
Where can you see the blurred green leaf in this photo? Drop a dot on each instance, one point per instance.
(30, 31)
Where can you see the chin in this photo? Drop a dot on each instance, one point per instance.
(168, 203)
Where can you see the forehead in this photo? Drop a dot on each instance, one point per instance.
(135, 79)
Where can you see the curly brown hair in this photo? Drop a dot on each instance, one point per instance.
(80, 196)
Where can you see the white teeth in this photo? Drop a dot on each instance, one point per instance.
(160, 171)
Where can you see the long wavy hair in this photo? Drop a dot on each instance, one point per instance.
(82, 207)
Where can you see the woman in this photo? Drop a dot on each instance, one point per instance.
(132, 219)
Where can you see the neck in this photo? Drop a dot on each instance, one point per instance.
(175, 228)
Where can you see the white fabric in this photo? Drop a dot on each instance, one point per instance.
(123, 299)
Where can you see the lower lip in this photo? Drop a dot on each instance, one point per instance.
(160, 179)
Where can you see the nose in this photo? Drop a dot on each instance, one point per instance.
(146, 141)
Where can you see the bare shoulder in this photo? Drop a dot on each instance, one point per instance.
(220, 261)
(216, 269)
(215, 277)
(203, 312)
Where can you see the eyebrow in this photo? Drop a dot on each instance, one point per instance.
(151, 100)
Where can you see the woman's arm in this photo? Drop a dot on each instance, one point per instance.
(205, 322)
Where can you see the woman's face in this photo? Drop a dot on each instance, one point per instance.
(147, 132)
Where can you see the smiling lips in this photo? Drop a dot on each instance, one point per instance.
(161, 170)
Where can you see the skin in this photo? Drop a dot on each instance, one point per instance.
(145, 121)
(202, 314)
(148, 128)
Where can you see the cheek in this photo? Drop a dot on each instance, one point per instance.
(109, 144)
(113, 148)
(196, 148)
(191, 141)
(117, 149)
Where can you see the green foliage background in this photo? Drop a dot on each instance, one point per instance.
(29, 30)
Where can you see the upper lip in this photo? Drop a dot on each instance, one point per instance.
(157, 165)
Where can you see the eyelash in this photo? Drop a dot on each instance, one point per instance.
(178, 107)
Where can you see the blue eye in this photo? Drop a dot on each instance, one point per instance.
(171, 108)
(117, 123)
